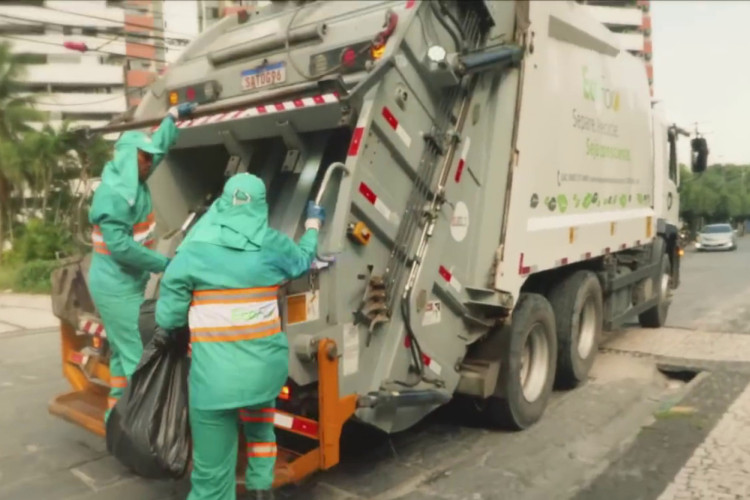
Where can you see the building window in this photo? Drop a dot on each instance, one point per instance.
(21, 29)
(89, 31)
(64, 58)
(32, 58)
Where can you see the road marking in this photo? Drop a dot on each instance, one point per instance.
(85, 478)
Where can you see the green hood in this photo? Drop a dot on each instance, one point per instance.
(121, 174)
(238, 219)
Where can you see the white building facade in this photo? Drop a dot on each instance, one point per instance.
(87, 88)
(630, 20)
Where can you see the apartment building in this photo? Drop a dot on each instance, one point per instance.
(86, 87)
(631, 21)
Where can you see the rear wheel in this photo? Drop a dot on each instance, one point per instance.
(657, 315)
(577, 303)
(527, 369)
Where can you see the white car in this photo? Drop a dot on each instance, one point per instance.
(716, 237)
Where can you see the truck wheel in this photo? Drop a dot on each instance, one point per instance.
(657, 315)
(577, 303)
(527, 369)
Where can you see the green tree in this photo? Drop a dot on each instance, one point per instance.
(721, 193)
(16, 111)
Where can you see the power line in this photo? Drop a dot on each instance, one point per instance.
(89, 50)
(109, 40)
(116, 35)
(135, 25)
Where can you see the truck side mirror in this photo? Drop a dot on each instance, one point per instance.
(699, 154)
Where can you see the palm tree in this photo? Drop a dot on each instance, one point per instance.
(16, 111)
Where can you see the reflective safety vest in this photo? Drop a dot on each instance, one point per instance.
(143, 233)
(234, 315)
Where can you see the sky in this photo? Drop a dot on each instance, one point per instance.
(702, 71)
(182, 19)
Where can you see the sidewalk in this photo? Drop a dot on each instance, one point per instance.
(26, 312)
(697, 448)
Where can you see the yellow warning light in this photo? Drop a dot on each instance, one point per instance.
(173, 98)
(649, 227)
(612, 228)
(360, 233)
(572, 234)
(285, 393)
(377, 51)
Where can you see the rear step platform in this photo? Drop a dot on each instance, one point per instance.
(83, 408)
(86, 408)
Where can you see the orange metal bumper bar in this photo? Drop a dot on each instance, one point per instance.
(334, 411)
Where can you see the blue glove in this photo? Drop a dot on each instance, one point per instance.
(182, 110)
(316, 215)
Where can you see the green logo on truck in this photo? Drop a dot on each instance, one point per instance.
(594, 90)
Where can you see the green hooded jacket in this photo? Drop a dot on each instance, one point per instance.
(121, 213)
(232, 248)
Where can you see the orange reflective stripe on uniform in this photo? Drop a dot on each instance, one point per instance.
(263, 415)
(111, 402)
(234, 315)
(118, 382)
(98, 240)
(142, 233)
(261, 449)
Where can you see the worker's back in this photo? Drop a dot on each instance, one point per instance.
(233, 316)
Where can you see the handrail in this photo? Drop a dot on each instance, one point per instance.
(321, 191)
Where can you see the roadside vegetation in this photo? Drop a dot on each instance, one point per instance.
(720, 194)
(44, 173)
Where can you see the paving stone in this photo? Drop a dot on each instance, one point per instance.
(726, 445)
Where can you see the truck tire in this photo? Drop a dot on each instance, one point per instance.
(578, 305)
(529, 356)
(657, 315)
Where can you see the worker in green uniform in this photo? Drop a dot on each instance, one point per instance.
(122, 237)
(223, 284)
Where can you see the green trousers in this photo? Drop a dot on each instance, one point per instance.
(215, 441)
(120, 317)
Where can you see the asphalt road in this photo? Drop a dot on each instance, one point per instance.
(715, 291)
(572, 451)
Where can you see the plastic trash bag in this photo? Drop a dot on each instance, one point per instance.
(147, 321)
(148, 429)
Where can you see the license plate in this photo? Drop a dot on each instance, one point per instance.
(265, 76)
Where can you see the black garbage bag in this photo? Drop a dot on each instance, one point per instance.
(147, 321)
(148, 429)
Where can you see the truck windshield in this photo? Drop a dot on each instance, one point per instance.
(718, 228)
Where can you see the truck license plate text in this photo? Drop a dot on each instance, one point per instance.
(264, 77)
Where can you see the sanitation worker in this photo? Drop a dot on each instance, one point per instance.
(122, 238)
(223, 284)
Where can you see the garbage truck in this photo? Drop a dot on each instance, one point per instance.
(501, 189)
